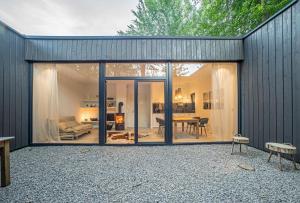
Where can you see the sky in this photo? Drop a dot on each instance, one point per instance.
(67, 17)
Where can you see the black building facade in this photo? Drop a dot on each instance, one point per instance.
(268, 61)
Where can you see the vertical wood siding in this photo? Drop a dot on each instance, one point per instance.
(270, 81)
(14, 89)
(133, 49)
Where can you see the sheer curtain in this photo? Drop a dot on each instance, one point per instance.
(45, 103)
(223, 100)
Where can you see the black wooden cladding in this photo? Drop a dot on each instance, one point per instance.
(133, 49)
(270, 81)
(14, 87)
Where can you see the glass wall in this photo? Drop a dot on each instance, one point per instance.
(65, 103)
(120, 111)
(204, 102)
(151, 111)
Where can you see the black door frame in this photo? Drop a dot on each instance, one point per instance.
(102, 103)
(136, 109)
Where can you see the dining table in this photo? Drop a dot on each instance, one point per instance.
(5, 161)
(184, 120)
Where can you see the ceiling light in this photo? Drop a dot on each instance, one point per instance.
(178, 94)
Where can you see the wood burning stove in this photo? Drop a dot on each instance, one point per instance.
(120, 121)
(120, 118)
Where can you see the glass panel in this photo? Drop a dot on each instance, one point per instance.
(151, 113)
(204, 102)
(136, 70)
(65, 103)
(120, 111)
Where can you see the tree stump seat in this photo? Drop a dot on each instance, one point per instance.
(239, 139)
(281, 148)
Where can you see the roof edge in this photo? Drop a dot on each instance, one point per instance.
(129, 37)
(11, 29)
(270, 18)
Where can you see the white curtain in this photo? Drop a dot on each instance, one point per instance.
(223, 100)
(45, 103)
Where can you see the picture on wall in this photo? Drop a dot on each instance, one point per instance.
(177, 108)
(207, 100)
(193, 95)
(158, 108)
(184, 108)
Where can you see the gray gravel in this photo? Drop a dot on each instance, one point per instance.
(193, 173)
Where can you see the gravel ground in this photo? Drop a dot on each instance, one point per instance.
(192, 173)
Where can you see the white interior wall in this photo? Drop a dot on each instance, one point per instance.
(144, 105)
(71, 93)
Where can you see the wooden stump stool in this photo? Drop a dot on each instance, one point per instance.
(5, 161)
(239, 139)
(281, 148)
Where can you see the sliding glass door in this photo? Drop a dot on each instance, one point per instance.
(135, 111)
(151, 111)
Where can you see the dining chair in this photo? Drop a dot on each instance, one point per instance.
(192, 125)
(202, 125)
(161, 126)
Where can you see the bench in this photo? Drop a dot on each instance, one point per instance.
(5, 162)
(281, 148)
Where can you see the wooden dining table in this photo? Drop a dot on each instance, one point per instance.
(5, 161)
(184, 120)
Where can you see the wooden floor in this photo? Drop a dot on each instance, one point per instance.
(147, 135)
(152, 136)
(202, 138)
(182, 137)
(90, 138)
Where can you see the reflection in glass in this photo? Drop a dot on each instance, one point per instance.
(135, 70)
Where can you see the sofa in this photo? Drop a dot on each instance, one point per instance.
(70, 129)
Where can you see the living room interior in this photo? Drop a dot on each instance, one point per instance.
(70, 91)
(204, 104)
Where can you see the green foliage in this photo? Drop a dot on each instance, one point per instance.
(234, 17)
(161, 17)
(200, 17)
